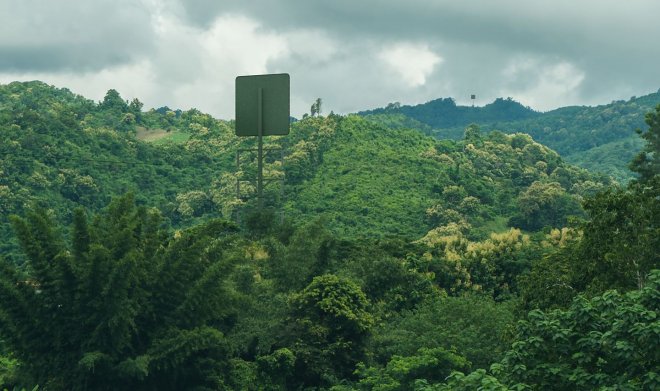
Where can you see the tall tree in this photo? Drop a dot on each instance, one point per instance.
(608, 342)
(121, 305)
(329, 326)
(316, 107)
(113, 101)
(647, 163)
(621, 239)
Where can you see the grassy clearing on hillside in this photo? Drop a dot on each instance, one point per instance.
(150, 135)
(173, 138)
(161, 136)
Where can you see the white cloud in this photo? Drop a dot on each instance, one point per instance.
(238, 45)
(189, 67)
(412, 62)
(542, 85)
(312, 46)
(132, 80)
(232, 46)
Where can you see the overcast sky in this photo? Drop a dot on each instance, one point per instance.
(354, 54)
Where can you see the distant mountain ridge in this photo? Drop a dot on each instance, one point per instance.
(573, 131)
(445, 113)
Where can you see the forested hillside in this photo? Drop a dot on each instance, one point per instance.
(444, 113)
(601, 138)
(61, 151)
(385, 259)
(371, 180)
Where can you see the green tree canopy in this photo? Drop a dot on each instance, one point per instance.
(609, 342)
(120, 305)
(647, 163)
(329, 325)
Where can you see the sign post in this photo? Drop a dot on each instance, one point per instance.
(262, 109)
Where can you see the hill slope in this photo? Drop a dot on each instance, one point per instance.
(372, 180)
(571, 131)
(444, 113)
(60, 150)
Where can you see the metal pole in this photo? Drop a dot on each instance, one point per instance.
(238, 180)
(238, 186)
(260, 152)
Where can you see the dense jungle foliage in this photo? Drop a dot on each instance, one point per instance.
(384, 260)
(61, 151)
(601, 138)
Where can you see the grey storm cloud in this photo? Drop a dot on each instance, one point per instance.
(613, 43)
(353, 54)
(37, 35)
(561, 25)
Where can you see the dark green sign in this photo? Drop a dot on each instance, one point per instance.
(262, 105)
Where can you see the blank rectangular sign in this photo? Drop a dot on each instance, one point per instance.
(275, 104)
